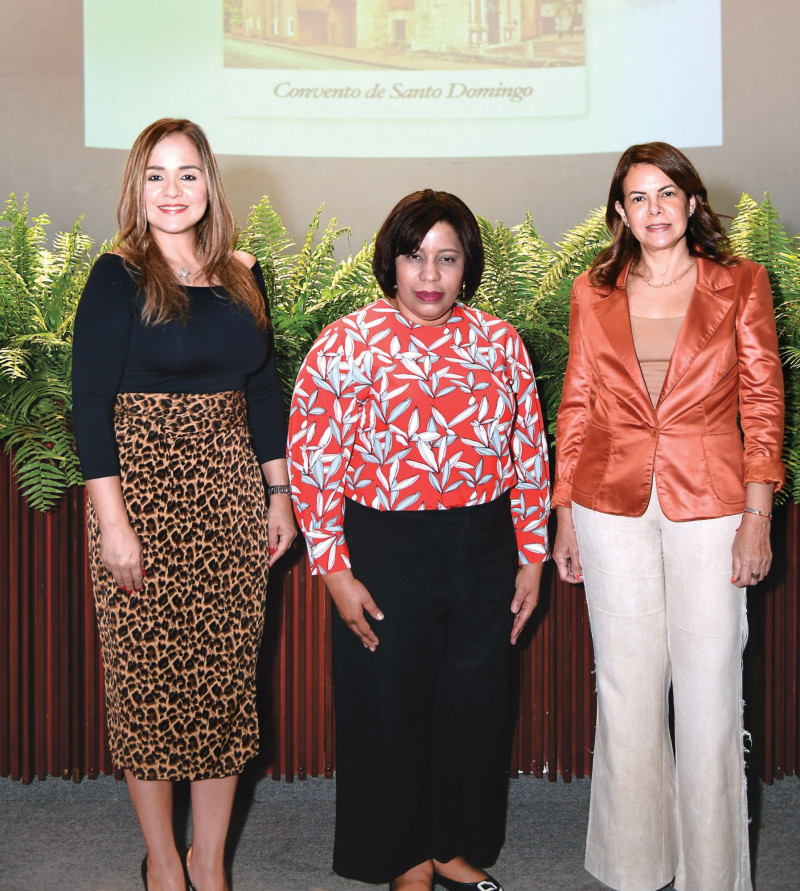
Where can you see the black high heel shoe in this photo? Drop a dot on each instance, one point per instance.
(144, 872)
(487, 884)
(184, 859)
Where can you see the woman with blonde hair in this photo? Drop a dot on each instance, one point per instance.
(176, 404)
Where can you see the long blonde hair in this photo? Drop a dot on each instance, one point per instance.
(164, 297)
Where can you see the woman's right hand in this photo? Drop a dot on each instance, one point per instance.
(565, 549)
(120, 548)
(121, 553)
(352, 600)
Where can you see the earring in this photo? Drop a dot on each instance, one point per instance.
(627, 224)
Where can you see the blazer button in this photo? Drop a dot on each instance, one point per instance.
(654, 432)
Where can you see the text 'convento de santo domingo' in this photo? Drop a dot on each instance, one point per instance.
(453, 90)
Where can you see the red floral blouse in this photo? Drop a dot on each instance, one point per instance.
(400, 416)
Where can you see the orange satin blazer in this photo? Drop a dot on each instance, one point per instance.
(724, 371)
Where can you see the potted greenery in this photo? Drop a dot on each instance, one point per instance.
(526, 281)
(39, 291)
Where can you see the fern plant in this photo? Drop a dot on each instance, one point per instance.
(295, 282)
(756, 233)
(516, 260)
(39, 291)
(549, 323)
(526, 281)
(353, 285)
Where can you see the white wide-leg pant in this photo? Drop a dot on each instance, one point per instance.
(663, 610)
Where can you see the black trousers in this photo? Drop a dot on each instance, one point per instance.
(422, 723)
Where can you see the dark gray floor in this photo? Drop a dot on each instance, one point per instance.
(84, 837)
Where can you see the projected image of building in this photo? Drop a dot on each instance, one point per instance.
(410, 34)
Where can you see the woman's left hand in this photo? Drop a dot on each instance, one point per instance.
(526, 596)
(282, 528)
(752, 552)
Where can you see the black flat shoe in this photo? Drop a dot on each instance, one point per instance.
(144, 872)
(487, 884)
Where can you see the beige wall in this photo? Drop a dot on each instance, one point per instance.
(42, 152)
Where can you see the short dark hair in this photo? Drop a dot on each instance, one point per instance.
(409, 222)
(705, 235)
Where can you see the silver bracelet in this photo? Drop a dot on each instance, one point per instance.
(283, 489)
(758, 513)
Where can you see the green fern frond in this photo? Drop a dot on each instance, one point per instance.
(44, 457)
(352, 286)
(37, 399)
(296, 282)
(71, 252)
(14, 363)
(15, 301)
(39, 293)
(791, 355)
(550, 322)
(41, 481)
(62, 305)
(506, 290)
(47, 342)
(526, 281)
(21, 242)
(302, 267)
(575, 253)
(757, 233)
(315, 266)
(265, 237)
(540, 257)
(791, 439)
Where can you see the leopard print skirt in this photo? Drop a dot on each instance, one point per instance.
(180, 655)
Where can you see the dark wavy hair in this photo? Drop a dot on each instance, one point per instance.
(409, 222)
(705, 235)
(164, 297)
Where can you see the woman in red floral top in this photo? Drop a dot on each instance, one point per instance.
(418, 460)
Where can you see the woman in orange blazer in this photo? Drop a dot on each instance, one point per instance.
(668, 452)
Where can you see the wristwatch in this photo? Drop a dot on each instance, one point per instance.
(284, 489)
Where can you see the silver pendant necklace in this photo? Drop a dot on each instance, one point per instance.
(184, 272)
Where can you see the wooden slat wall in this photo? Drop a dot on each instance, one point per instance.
(52, 717)
(772, 658)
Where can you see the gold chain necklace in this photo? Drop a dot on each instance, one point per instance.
(650, 284)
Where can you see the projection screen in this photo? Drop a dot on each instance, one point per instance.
(406, 78)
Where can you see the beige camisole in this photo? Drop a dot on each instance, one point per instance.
(654, 340)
